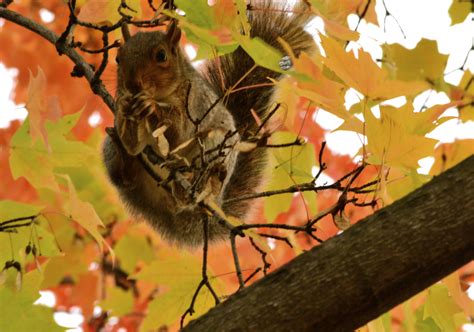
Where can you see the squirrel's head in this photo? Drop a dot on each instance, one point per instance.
(150, 61)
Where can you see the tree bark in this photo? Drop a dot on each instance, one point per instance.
(357, 276)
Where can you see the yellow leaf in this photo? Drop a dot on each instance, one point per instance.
(459, 10)
(448, 155)
(24, 154)
(389, 143)
(180, 273)
(339, 31)
(101, 11)
(424, 62)
(466, 89)
(419, 123)
(400, 183)
(441, 308)
(453, 285)
(325, 92)
(84, 214)
(288, 101)
(339, 10)
(288, 166)
(364, 75)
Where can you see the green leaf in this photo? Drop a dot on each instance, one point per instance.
(179, 274)
(72, 264)
(132, 249)
(211, 41)
(263, 54)
(26, 154)
(441, 307)
(167, 308)
(171, 268)
(197, 12)
(37, 234)
(425, 325)
(13, 210)
(118, 301)
(288, 166)
(18, 313)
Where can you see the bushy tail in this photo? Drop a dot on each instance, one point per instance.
(268, 20)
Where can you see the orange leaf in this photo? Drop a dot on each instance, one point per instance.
(38, 109)
(84, 214)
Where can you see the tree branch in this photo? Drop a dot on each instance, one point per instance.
(376, 264)
(81, 65)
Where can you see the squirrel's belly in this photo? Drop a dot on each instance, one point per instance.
(176, 223)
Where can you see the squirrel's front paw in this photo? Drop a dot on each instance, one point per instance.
(136, 119)
(137, 107)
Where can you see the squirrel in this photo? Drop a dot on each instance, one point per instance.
(177, 129)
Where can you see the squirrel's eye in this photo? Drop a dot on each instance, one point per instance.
(161, 56)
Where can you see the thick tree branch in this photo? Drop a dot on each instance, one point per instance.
(81, 65)
(360, 274)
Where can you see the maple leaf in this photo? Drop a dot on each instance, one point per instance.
(459, 10)
(339, 10)
(101, 11)
(38, 109)
(364, 75)
(389, 143)
(84, 214)
(315, 86)
(422, 62)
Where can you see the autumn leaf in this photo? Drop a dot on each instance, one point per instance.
(84, 214)
(465, 92)
(204, 25)
(119, 302)
(413, 65)
(101, 11)
(288, 166)
(26, 154)
(314, 85)
(339, 10)
(389, 143)
(18, 312)
(412, 122)
(38, 109)
(364, 75)
(263, 54)
(133, 249)
(180, 273)
(14, 244)
(459, 10)
(442, 309)
(449, 154)
(339, 31)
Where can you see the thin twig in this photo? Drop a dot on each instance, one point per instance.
(235, 254)
(263, 254)
(205, 279)
(85, 68)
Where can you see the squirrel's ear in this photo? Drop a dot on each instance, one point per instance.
(173, 33)
(125, 32)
